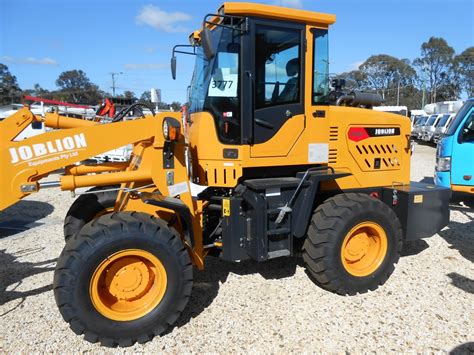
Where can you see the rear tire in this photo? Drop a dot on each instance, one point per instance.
(353, 243)
(124, 278)
(87, 207)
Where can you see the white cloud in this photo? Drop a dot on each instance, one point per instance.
(43, 61)
(153, 16)
(150, 50)
(356, 65)
(29, 60)
(298, 4)
(145, 66)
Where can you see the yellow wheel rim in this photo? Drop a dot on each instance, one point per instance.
(364, 249)
(128, 285)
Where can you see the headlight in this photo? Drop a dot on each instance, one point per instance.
(443, 164)
(166, 130)
(171, 129)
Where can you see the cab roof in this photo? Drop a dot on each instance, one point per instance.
(277, 13)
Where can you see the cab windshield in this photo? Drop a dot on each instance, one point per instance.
(431, 120)
(215, 85)
(422, 121)
(443, 121)
(459, 118)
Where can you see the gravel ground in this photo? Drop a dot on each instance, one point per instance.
(426, 305)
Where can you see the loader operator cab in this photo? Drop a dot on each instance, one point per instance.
(254, 81)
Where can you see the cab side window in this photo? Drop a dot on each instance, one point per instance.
(320, 65)
(277, 66)
(468, 130)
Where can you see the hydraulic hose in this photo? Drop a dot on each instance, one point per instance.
(120, 116)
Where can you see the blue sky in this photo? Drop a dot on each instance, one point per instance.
(41, 39)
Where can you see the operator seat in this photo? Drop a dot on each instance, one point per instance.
(290, 92)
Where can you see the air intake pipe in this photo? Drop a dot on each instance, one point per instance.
(356, 98)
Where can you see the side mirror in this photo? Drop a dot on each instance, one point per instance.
(206, 43)
(173, 67)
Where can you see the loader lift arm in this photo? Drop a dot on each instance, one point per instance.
(24, 163)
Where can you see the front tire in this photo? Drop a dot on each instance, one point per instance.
(124, 278)
(87, 207)
(353, 243)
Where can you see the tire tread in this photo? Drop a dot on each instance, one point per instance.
(84, 241)
(325, 229)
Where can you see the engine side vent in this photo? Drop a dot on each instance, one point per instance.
(222, 173)
(222, 177)
(333, 133)
(332, 156)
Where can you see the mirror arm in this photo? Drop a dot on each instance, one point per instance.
(173, 56)
(175, 50)
(233, 26)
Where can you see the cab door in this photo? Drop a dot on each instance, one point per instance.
(277, 69)
(462, 160)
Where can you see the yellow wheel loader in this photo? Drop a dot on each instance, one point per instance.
(285, 163)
